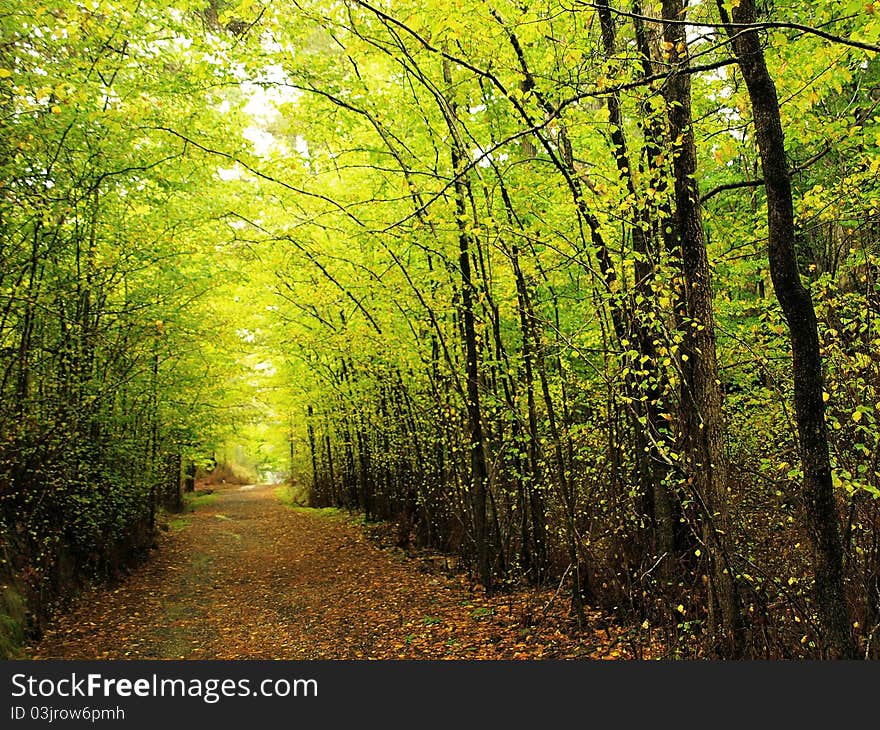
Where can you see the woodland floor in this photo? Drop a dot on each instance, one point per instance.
(246, 577)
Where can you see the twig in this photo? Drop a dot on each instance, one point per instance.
(870, 639)
(649, 570)
(558, 588)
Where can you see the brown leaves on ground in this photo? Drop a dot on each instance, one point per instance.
(248, 578)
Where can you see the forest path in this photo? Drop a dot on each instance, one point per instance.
(245, 577)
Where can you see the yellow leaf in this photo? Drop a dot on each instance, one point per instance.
(856, 416)
(5, 73)
(56, 110)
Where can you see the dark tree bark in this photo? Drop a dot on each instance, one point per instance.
(172, 496)
(822, 520)
(189, 482)
(334, 492)
(701, 414)
(310, 430)
(533, 490)
(478, 467)
(648, 424)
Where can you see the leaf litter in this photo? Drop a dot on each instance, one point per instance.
(249, 578)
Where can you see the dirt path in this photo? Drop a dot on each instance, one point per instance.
(247, 578)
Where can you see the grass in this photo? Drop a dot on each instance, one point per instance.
(291, 496)
(294, 497)
(193, 500)
(178, 523)
(482, 612)
(335, 513)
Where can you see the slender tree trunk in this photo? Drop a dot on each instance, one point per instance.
(310, 431)
(822, 520)
(28, 323)
(581, 581)
(173, 497)
(533, 482)
(189, 482)
(154, 432)
(335, 492)
(478, 467)
(647, 424)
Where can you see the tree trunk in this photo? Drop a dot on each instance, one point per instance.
(797, 306)
(189, 482)
(313, 452)
(702, 421)
(533, 482)
(645, 417)
(478, 467)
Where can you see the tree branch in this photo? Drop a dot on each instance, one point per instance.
(768, 25)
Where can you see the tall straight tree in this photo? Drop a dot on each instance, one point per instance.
(797, 306)
(478, 466)
(702, 421)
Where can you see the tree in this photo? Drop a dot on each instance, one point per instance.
(797, 305)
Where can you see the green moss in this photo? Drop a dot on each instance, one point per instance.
(294, 497)
(333, 513)
(178, 523)
(194, 500)
(291, 495)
